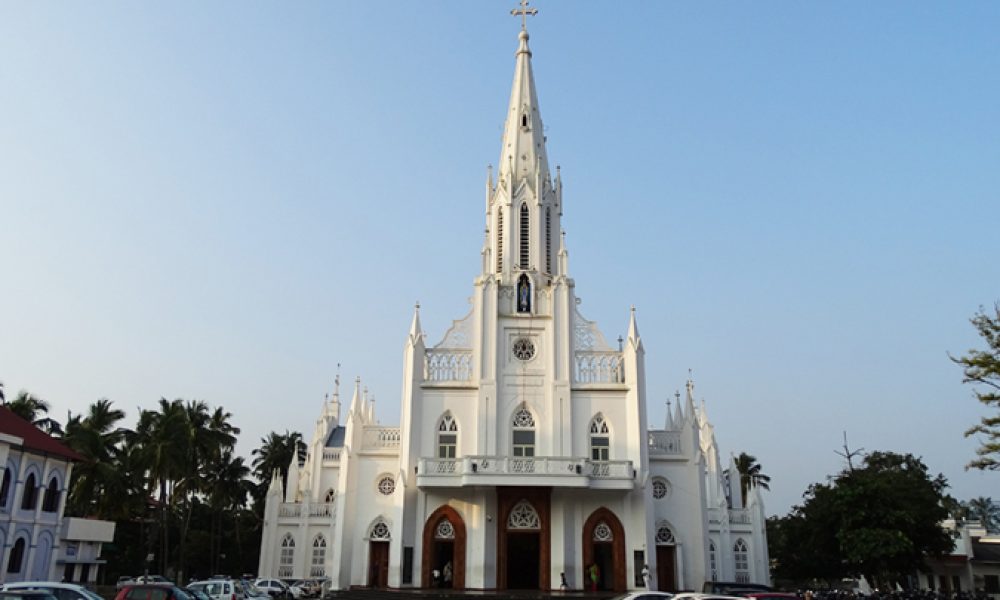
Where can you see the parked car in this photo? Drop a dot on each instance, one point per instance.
(696, 596)
(123, 581)
(152, 579)
(216, 589)
(644, 595)
(275, 587)
(152, 591)
(62, 591)
(731, 588)
(252, 592)
(26, 595)
(196, 594)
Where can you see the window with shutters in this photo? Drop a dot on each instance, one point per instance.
(525, 233)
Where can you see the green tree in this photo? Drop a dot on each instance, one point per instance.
(982, 369)
(986, 511)
(750, 472)
(97, 438)
(275, 453)
(880, 520)
(33, 409)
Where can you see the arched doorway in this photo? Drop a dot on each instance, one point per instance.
(444, 544)
(378, 554)
(666, 558)
(604, 545)
(523, 533)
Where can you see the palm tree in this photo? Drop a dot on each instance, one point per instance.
(275, 453)
(31, 409)
(162, 437)
(986, 510)
(226, 477)
(750, 472)
(97, 439)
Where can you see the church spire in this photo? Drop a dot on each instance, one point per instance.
(523, 205)
(522, 154)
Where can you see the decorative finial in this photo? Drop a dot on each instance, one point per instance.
(417, 305)
(677, 395)
(523, 12)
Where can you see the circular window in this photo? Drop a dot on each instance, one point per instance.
(659, 489)
(386, 485)
(524, 349)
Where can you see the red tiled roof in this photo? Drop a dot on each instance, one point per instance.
(35, 440)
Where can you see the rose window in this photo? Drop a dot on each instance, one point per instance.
(524, 349)
(602, 533)
(386, 486)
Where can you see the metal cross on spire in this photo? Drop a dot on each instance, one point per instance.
(523, 12)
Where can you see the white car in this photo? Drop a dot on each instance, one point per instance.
(700, 596)
(278, 588)
(62, 591)
(216, 589)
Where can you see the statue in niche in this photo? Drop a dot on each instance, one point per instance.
(523, 294)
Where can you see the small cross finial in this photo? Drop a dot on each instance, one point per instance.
(523, 12)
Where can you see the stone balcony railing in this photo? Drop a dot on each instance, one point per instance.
(331, 455)
(665, 443)
(380, 439)
(447, 365)
(298, 509)
(539, 470)
(739, 516)
(598, 366)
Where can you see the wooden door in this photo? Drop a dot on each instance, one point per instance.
(665, 575)
(378, 564)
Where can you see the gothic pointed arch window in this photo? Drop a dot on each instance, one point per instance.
(523, 433)
(286, 559)
(741, 558)
(600, 438)
(500, 240)
(447, 436)
(525, 226)
(318, 568)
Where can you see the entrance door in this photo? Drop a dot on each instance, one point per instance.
(604, 559)
(444, 562)
(523, 552)
(665, 568)
(378, 564)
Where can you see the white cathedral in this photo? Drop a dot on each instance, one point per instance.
(524, 455)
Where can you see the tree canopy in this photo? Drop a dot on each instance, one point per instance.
(879, 520)
(982, 369)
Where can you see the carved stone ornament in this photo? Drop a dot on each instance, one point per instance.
(523, 516)
(664, 537)
(660, 489)
(386, 485)
(602, 533)
(445, 530)
(524, 349)
(380, 531)
(523, 419)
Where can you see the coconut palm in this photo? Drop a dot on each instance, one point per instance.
(275, 453)
(96, 437)
(750, 472)
(986, 510)
(32, 408)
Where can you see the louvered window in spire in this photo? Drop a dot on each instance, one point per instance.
(524, 236)
(548, 240)
(499, 240)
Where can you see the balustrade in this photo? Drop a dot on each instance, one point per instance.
(739, 516)
(377, 438)
(331, 454)
(443, 365)
(290, 509)
(598, 366)
(526, 466)
(664, 443)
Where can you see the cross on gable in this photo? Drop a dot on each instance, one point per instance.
(523, 12)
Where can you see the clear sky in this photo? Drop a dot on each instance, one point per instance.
(222, 201)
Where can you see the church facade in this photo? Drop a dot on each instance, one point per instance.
(523, 458)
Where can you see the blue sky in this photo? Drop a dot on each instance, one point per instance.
(223, 201)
